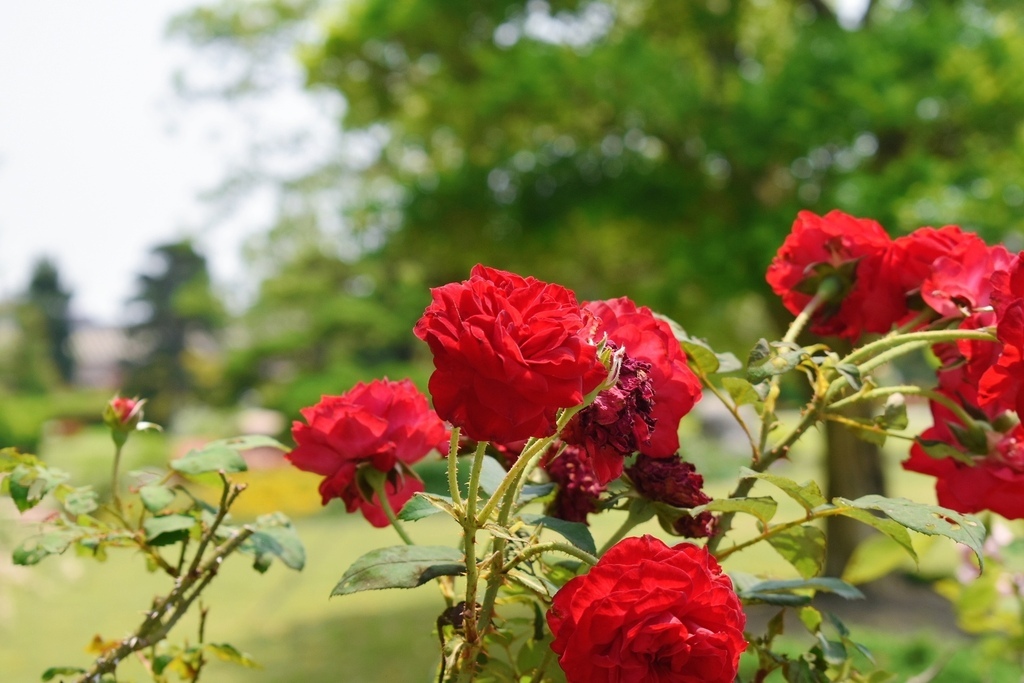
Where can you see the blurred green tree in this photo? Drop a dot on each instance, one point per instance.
(49, 297)
(175, 335)
(656, 149)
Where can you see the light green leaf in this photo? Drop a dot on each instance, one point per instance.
(403, 566)
(888, 527)
(168, 526)
(931, 520)
(807, 494)
(701, 355)
(741, 391)
(210, 458)
(280, 541)
(229, 653)
(761, 507)
(156, 498)
(55, 671)
(35, 548)
(803, 547)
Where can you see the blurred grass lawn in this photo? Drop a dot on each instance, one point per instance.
(284, 619)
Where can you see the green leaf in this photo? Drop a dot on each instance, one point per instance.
(931, 520)
(807, 494)
(168, 529)
(248, 442)
(940, 449)
(156, 498)
(741, 391)
(78, 501)
(282, 542)
(799, 586)
(424, 505)
(214, 457)
(810, 618)
(491, 474)
(852, 374)
(888, 527)
(55, 671)
(33, 549)
(766, 360)
(803, 547)
(27, 484)
(761, 507)
(701, 355)
(873, 558)
(894, 414)
(229, 653)
(576, 533)
(868, 431)
(403, 566)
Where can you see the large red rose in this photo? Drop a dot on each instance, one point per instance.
(509, 352)
(385, 425)
(646, 338)
(993, 482)
(649, 613)
(1002, 385)
(849, 249)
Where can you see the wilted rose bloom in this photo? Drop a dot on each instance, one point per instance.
(849, 249)
(619, 421)
(578, 487)
(646, 338)
(385, 425)
(648, 612)
(674, 482)
(509, 352)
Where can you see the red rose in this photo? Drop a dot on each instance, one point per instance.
(648, 612)
(648, 339)
(993, 482)
(961, 281)
(509, 352)
(850, 249)
(1002, 385)
(384, 425)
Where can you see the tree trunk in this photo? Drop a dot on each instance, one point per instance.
(853, 469)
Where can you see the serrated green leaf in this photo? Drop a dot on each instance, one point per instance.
(79, 501)
(803, 547)
(797, 586)
(807, 494)
(576, 533)
(887, 526)
(741, 391)
(931, 520)
(156, 497)
(404, 566)
(155, 527)
(55, 671)
(761, 507)
(213, 457)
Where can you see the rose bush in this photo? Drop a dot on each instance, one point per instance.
(649, 612)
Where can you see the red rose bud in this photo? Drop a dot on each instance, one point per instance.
(578, 488)
(382, 425)
(647, 612)
(618, 423)
(123, 416)
(509, 353)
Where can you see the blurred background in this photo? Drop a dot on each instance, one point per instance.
(231, 208)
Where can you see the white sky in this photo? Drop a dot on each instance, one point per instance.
(99, 159)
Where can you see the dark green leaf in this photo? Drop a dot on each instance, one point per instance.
(807, 494)
(156, 497)
(210, 458)
(531, 491)
(780, 358)
(797, 586)
(576, 533)
(833, 652)
(852, 374)
(803, 547)
(281, 542)
(404, 566)
(894, 415)
(928, 519)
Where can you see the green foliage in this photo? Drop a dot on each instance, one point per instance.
(404, 566)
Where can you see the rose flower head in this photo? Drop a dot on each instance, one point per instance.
(578, 487)
(383, 425)
(123, 414)
(649, 612)
(509, 352)
(619, 421)
(648, 339)
(849, 251)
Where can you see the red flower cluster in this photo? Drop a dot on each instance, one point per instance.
(383, 425)
(648, 612)
(509, 352)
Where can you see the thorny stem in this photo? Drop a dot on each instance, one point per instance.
(453, 469)
(540, 548)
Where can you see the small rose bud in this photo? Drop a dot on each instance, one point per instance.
(123, 416)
